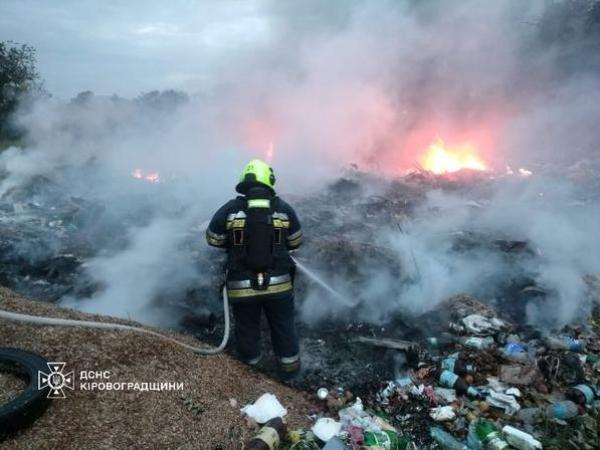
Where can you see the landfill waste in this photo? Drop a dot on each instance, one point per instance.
(479, 343)
(489, 404)
(451, 380)
(267, 407)
(326, 428)
(444, 340)
(519, 374)
(442, 413)
(564, 343)
(356, 345)
(335, 443)
(457, 366)
(385, 439)
(303, 441)
(446, 440)
(514, 351)
(503, 401)
(444, 395)
(582, 394)
(489, 436)
(269, 436)
(322, 393)
(480, 325)
(519, 439)
(563, 410)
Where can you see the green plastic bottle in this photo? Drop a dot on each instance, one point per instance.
(489, 436)
(386, 439)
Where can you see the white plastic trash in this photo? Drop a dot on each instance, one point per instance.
(508, 403)
(442, 413)
(519, 439)
(444, 395)
(267, 407)
(478, 324)
(326, 428)
(515, 392)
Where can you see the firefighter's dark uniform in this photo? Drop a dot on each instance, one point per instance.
(226, 230)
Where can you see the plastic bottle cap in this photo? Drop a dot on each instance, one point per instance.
(322, 393)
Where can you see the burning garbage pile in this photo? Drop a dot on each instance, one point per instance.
(380, 320)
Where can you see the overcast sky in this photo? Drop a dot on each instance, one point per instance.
(120, 47)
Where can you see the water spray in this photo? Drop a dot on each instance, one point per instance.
(313, 276)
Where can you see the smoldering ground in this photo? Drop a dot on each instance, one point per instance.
(369, 83)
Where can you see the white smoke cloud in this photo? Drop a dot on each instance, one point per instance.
(371, 83)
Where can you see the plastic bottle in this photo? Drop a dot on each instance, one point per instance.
(457, 366)
(335, 443)
(444, 340)
(562, 410)
(453, 381)
(582, 394)
(489, 436)
(530, 415)
(386, 439)
(269, 436)
(478, 342)
(513, 351)
(564, 343)
(519, 439)
(446, 440)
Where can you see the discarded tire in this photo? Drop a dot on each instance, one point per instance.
(31, 402)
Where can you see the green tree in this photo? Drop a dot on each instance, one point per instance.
(18, 78)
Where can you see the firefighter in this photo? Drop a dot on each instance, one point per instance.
(258, 229)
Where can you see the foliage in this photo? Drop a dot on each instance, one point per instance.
(18, 77)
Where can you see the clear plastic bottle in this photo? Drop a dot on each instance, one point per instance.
(564, 343)
(446, 440)
(519, 439)
(565, 409)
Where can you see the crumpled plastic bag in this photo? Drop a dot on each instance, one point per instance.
(442, 413)
(478, 324)
(326, 428)
(444, 395)
(267, 407)
(508, 403)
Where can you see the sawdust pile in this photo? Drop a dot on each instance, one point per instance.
(204, 415)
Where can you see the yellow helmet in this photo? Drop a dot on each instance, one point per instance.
(256, 171)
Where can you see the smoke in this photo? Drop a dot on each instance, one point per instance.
(367, 83)
(489, 242)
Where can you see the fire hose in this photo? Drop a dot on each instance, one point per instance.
(42, 320)
(53, 321)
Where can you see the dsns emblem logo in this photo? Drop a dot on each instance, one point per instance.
(56, 380)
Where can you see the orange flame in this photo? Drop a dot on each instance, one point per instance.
(439, 158)
(152, 177)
